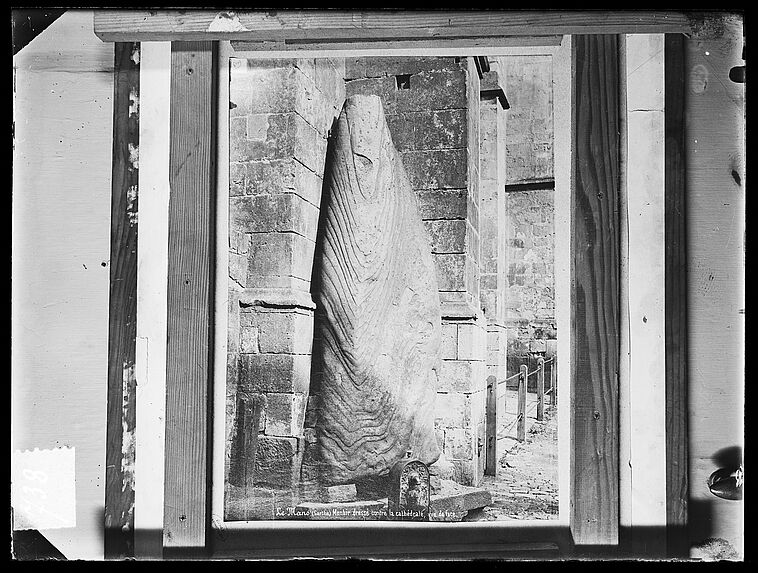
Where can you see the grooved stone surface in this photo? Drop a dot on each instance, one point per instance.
(377, 288)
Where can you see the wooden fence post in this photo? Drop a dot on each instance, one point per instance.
(490, 468)
(521, 421)
(553, 384)
(540, 389)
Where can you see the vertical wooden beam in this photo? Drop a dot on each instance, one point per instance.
(521, 420)
(675, 299)
(540, 389)
(491, 427)
(152, 297)
(595, 292)
(122, 319)
(191, 253)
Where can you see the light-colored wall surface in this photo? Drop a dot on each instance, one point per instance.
(61, 239)
(715, 139)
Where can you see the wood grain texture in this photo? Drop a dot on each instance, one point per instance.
(191, 254)
(540, 389)
(491, 427)
(339, 24)
(595, 292)
(377, 288)
(122, 320)
(521, 421)
(677, 450)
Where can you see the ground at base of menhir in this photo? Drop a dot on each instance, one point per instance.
(526, 485)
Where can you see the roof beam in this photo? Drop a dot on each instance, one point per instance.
(330, 25)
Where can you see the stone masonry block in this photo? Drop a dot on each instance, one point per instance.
(472, 343)
(274, 213)
(368, 67)
(282, 176)
(431, 89)
(275, 373)
(459, 444)
(464, 471)
(449, 342)
(280, 331)
(249, 340)
(285, 414)
(450, 271)
(458, 375)
(442, 203)
(270, 136)
(402, 130)
(277, 462)
(450, 410)
(440, 169)
(279, 255)
(443, 129)
(238, 267)
(447, 236)
(477, 408)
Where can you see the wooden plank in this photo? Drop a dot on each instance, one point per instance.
(396, 47)
(122, 319)
(521, 420)
(540, 389)
(191, 253)
(677, 450)
(643, 209)
(257, 25)
(595, 292)
(491, 427)
(152, 263)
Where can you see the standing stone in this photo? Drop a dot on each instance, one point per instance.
(376, 288)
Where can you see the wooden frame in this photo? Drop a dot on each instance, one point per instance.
(595, 325)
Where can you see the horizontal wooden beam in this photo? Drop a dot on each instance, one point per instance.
(326, 25)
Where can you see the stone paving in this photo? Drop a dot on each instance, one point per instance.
(526, 485)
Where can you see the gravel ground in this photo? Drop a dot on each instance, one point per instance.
(526, 485)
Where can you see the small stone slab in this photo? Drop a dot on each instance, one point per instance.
(346, 511)
(454, 501)
(345, 492)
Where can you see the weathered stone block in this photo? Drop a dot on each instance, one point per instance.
(280, 330)
(367, 67)
(432, 89)
(442, 129)
(447, 236)
(338, 493)
(464, 471)
(249, 340)
(285, 414)
(449, 342)
(451, 410)
(439, 169)
(238, 268)
(275, 372)
(471, 342)
(459, 444)
(277, 462)
(451, 271)
(460, 375)
(442, 203)
(279, 254)
(274, 213)
(402, 130)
